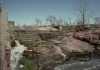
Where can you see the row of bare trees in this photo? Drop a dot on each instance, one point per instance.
(52, 20)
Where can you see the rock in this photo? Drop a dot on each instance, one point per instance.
(49, 57)
(90, 37)
(59, 49)
(72, 44)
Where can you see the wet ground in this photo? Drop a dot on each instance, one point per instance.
(93, 64)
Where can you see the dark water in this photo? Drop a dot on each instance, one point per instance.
(93, 64)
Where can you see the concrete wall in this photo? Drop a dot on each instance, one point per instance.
(26, 37)
(4, 37)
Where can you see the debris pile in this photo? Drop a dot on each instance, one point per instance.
(60, 48)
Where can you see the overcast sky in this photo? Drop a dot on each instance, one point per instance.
(25, 11)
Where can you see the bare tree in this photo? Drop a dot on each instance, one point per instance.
(51, 20)
(60, 22)
(38, 21)
(66, 23)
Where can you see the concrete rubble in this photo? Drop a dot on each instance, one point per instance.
(60, 48)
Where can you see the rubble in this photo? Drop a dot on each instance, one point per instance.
(63, 47)
(92, 37)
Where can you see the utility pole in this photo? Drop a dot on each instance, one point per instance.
(83, 11)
